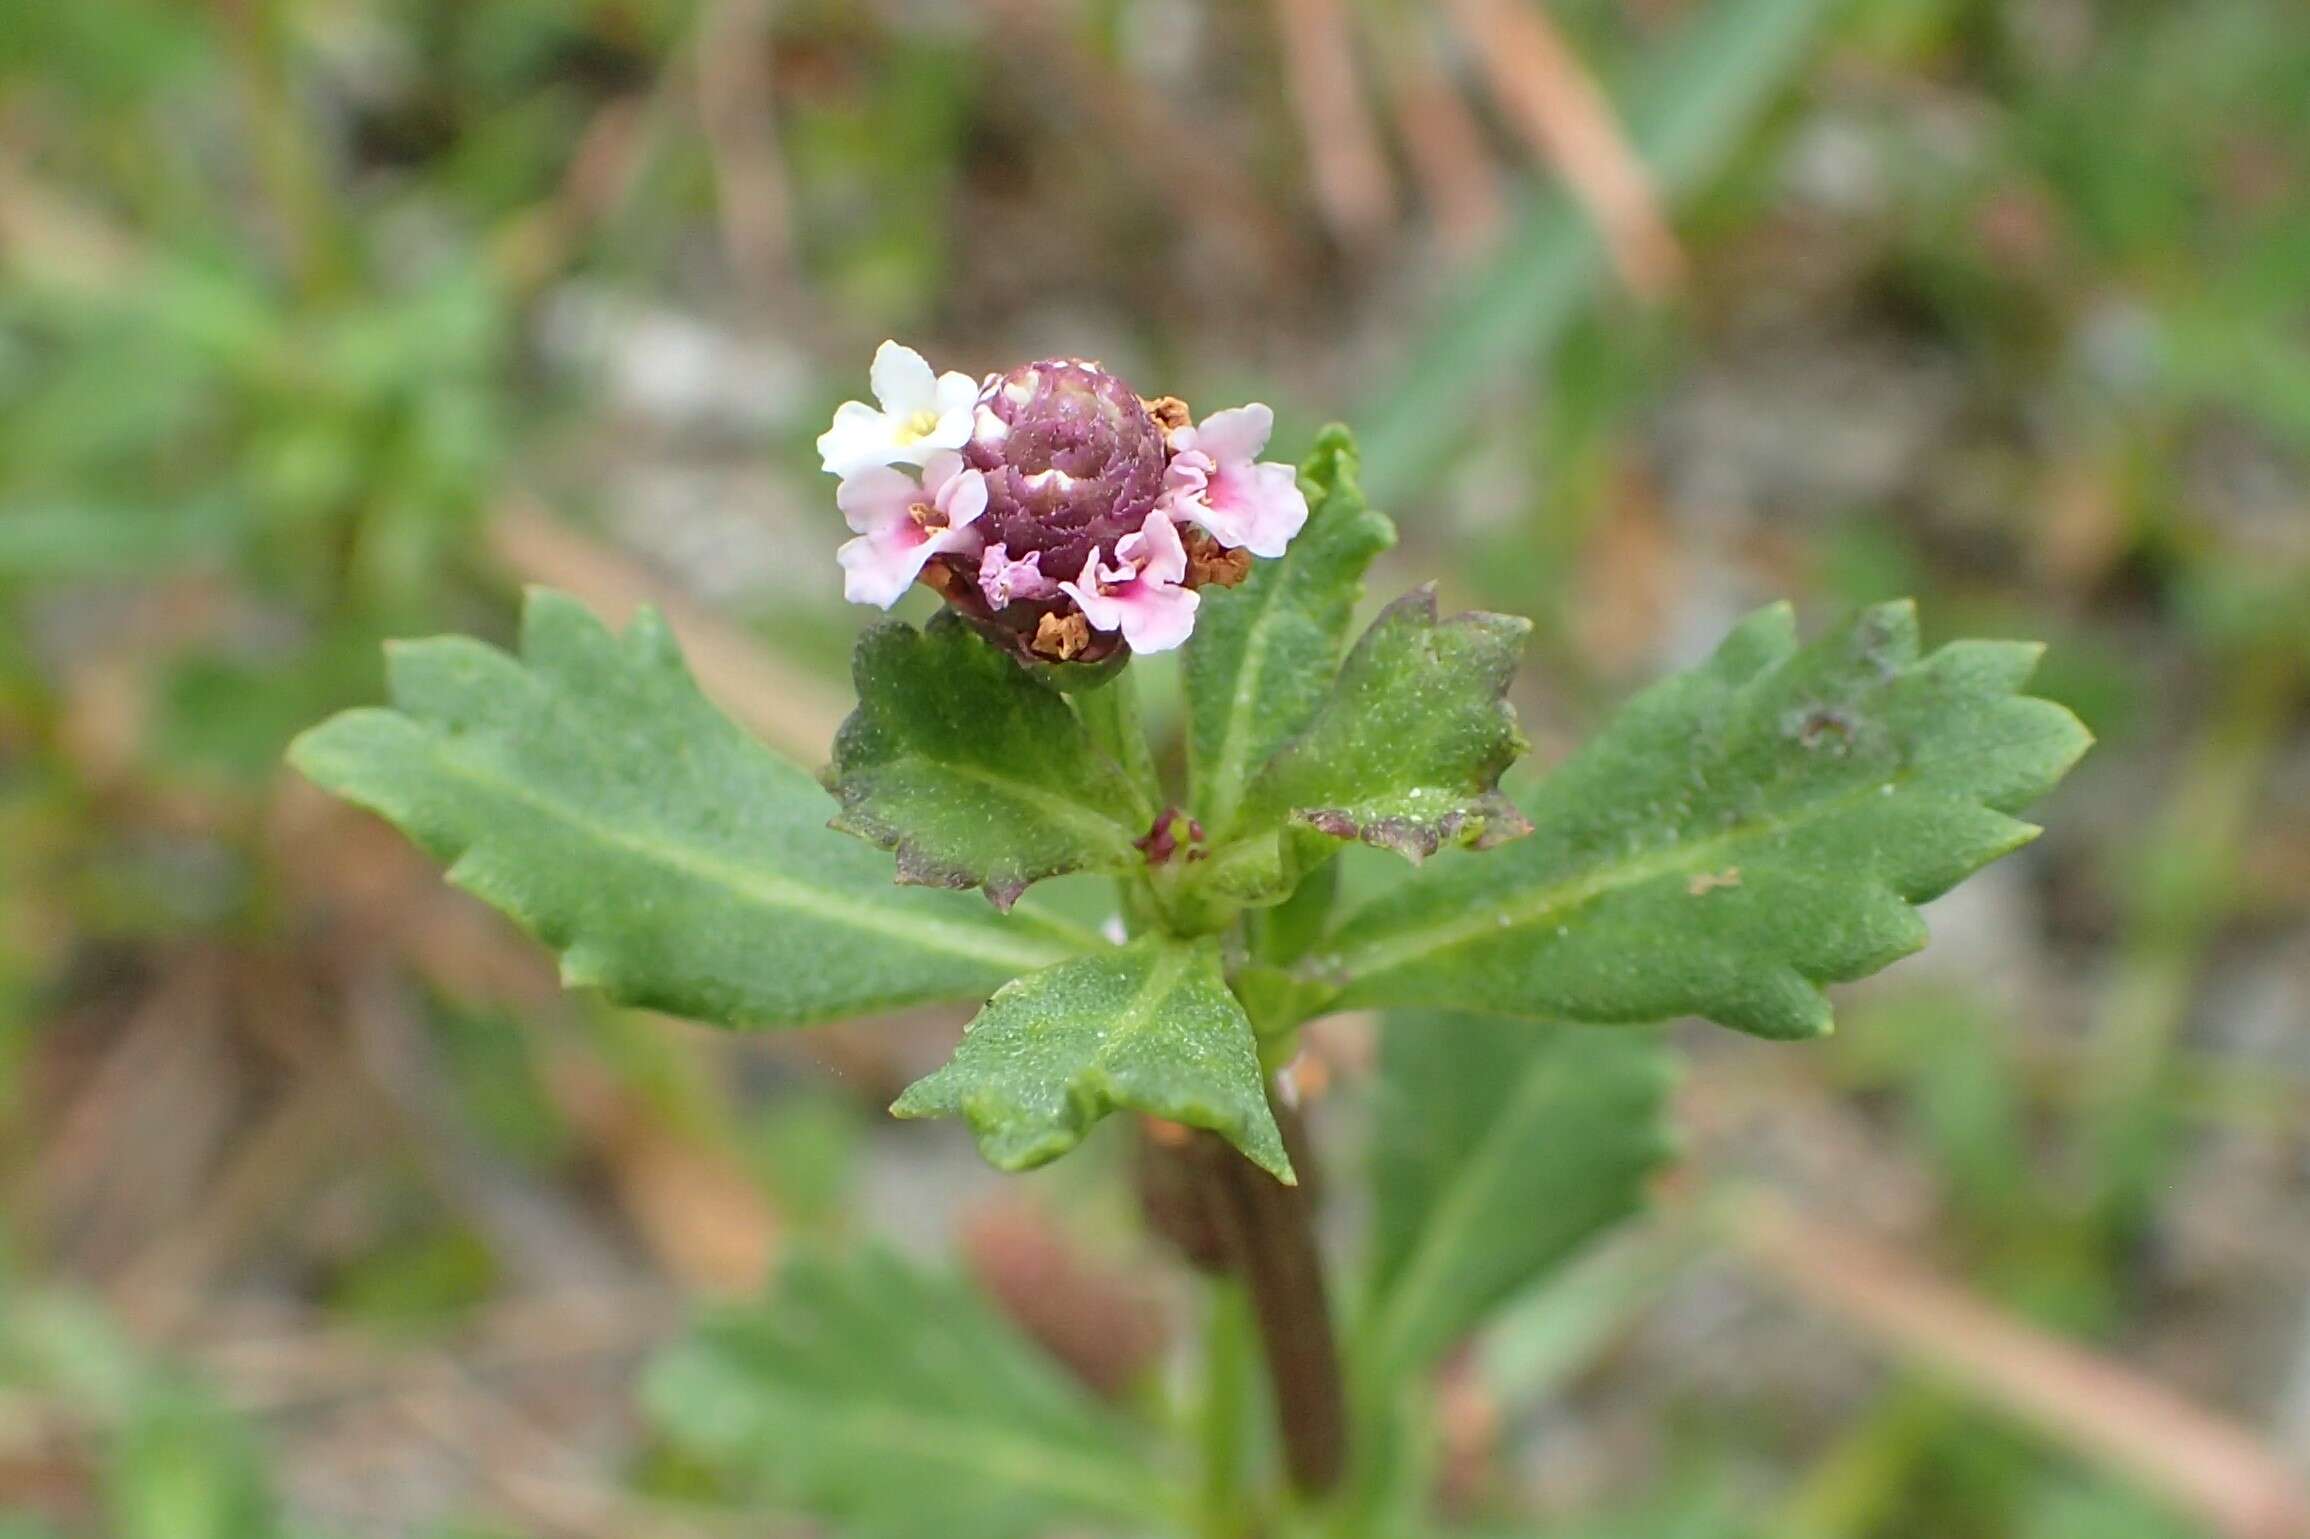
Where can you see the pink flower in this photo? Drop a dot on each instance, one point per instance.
(902, 524)
(1141, 595)
(1214, 480)
(1002, 580)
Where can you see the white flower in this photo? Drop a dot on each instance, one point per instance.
(920, 414)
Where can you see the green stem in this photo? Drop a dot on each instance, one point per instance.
(1110, 714)
(1227, 1353)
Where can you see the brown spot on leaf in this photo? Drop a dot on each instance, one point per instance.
(1701, 883)
(1825, 724)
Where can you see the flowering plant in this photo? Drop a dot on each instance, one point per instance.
(1740, 836)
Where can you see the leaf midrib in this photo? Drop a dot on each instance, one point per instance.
(1387, 952)
(1165, 971)
(1045, 802)
(1228, 775)
(767, 889)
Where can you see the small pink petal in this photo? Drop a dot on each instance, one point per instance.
(1153, 617)
(877, 498)
(1003, 580)
(1258, 507)
(1235, 436)
(878, 568)
(1155, 553)
(1141, 597)
(958, 493)
(1215, 482)
(894, 544)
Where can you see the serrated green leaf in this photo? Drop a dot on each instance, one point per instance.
(1738, 836)
(895, 1402)
(1264, 653)
(591, 792)
(1151, 1027)
(971, 772)
(1501, 1147)
(1407, 750)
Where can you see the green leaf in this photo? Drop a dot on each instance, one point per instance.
(1738, 836)
(591, 792)
(894, 1402)
(1264, 653)
(1151, 1027)
(973, 773)
(1406, 752)
(1500, 1148)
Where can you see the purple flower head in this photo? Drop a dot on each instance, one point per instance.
(1078, 518)
(1073, 461)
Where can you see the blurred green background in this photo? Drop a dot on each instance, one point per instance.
(324, 1212)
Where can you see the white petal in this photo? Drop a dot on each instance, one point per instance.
(860, 436)
(953, 430)
(956, 392)
(902, 380)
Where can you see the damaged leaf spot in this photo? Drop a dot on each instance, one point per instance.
(1823, 726)
(1702, 883)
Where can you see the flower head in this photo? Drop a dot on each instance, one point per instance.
(920, 414)
(1067, 517)
(1215, 480)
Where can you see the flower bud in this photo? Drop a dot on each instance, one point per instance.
(1072, 459)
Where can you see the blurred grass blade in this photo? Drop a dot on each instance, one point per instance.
(55, 542)
(1686, 117)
